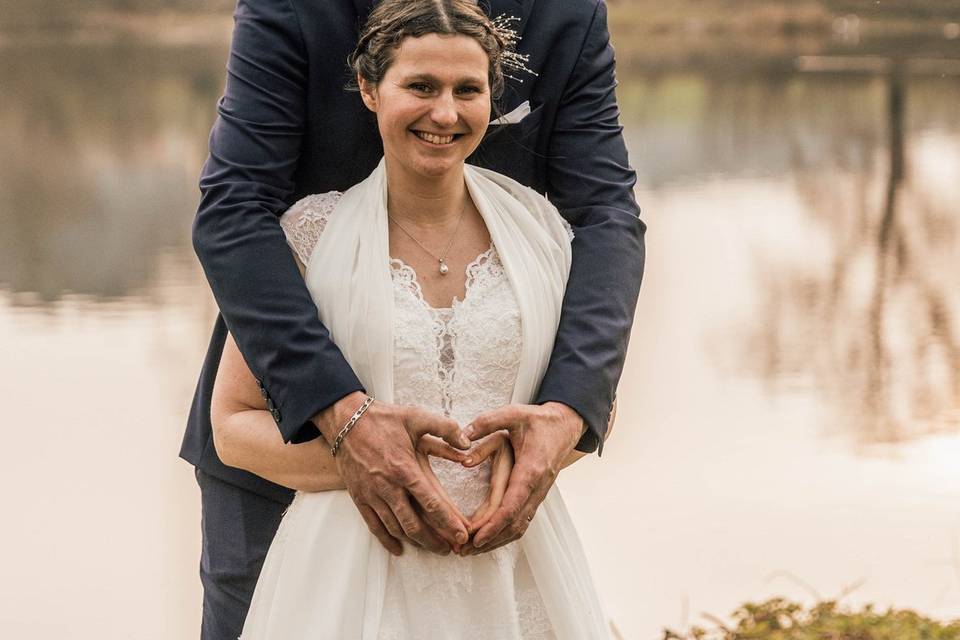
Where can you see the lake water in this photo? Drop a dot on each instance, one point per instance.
(790, 410)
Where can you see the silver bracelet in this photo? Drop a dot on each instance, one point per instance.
(352, 421)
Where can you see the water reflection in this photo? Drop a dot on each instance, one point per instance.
(859, 297)
(874, 324)
(104, 148)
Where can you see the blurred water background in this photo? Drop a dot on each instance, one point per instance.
(790, 410)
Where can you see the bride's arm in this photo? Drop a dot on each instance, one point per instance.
(575, 455)
(245, 434)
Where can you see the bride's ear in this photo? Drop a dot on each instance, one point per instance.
(368, 93)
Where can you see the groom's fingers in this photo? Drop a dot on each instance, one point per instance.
(519, 519)
(509, 508)
(438, 513)
(511, 519)
(509, 417)
(376, 527)
(433, 446)
(389, 520)
(484, 449)
(420, 422)
(414, 528)
(435, 483)
(499, 475)
(480, 516)
(509, 533)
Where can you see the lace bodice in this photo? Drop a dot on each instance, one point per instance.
(457, 361)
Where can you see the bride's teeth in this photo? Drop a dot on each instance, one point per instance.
(435, 139)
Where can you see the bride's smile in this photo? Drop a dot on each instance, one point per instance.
(436, 139)
(432, 105)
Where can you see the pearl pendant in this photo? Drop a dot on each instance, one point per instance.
(443, 267)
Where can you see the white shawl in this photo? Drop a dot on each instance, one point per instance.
(323, 539)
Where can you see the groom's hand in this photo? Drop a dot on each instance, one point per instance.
(378, 465)
(542, 436)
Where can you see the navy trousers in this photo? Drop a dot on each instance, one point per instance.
(238, 527)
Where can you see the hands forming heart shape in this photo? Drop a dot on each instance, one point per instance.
(496, 447)
(526, 444)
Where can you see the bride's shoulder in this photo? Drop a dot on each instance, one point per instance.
(305, 220)
(311, 208)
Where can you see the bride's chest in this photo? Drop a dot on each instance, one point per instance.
(474, 344)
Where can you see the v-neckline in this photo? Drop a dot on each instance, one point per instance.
(457, 301)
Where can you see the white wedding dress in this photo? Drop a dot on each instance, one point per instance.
(458, 362)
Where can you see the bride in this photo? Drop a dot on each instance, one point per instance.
(442, 284)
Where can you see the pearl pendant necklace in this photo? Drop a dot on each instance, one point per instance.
(441, 259)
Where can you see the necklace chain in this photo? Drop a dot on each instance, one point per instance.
(442, 257)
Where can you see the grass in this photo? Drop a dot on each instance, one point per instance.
(781, 619)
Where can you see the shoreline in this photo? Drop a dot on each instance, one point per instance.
(635, 25)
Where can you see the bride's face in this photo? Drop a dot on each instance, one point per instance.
(433, 103)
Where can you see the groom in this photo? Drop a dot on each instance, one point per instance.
(286, 128)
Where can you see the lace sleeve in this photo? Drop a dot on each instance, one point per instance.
(303, 222)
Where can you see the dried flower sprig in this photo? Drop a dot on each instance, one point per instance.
(510, 60)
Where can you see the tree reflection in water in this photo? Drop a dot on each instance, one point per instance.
(876, 324)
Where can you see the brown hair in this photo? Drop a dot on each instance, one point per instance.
(393, 20)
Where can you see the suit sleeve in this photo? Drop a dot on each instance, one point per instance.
(590, 181)
(246, 184)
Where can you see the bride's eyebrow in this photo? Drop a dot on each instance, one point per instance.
(427, 77)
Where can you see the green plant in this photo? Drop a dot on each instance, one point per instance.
(781, 619)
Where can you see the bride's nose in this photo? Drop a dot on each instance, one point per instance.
(444, 111)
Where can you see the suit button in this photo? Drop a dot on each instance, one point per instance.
(276, 415)
(264, 394)
(270, 405)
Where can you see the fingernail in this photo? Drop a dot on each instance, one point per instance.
(468, 461)
(461, 537)
(479, 543)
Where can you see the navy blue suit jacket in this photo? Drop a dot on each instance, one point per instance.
(287, 128)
